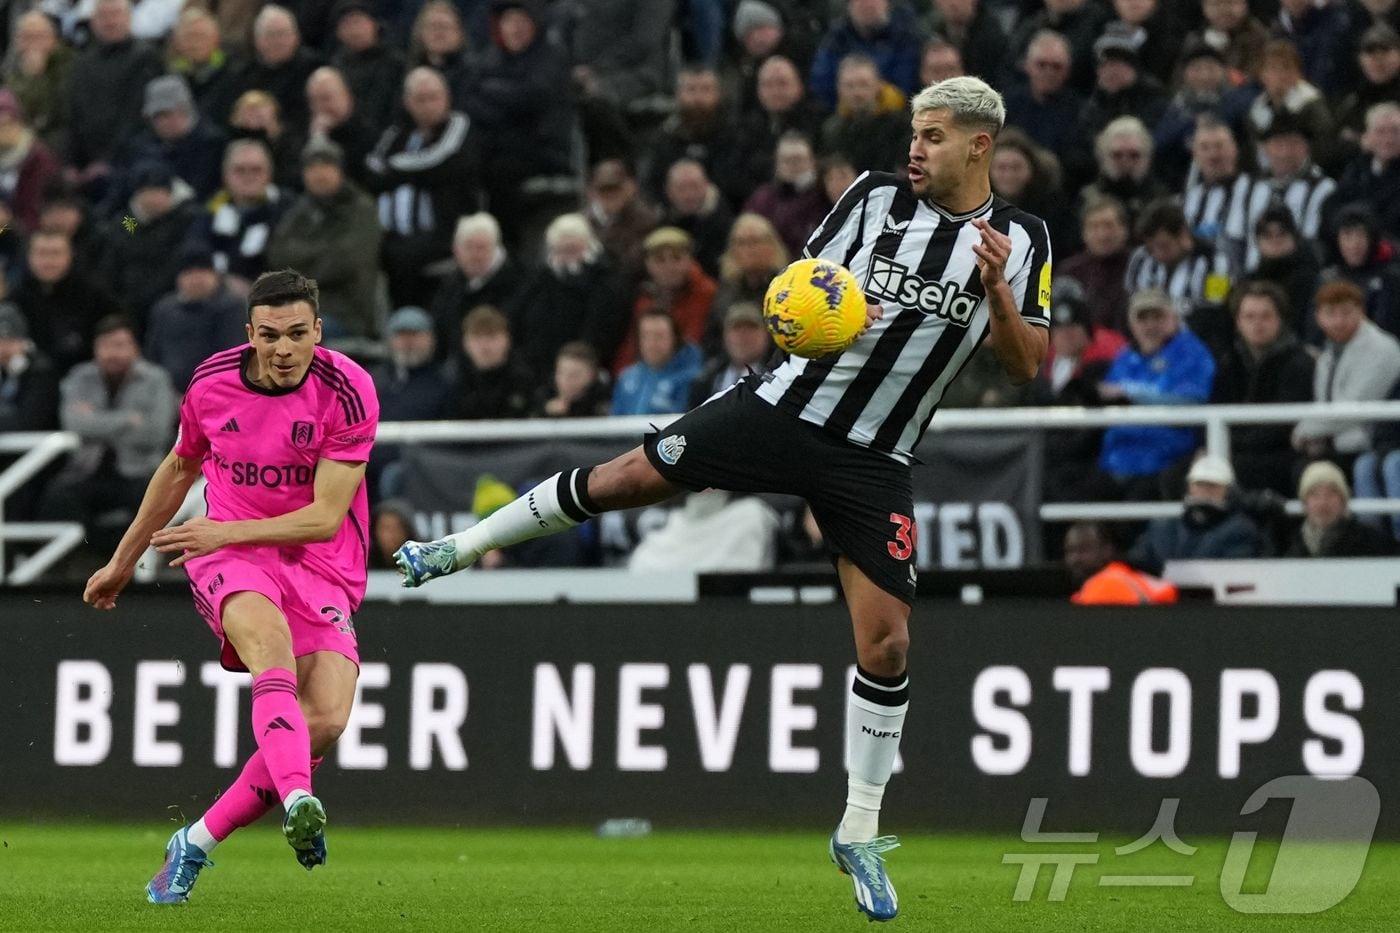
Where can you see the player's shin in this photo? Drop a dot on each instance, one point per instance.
(875, 712)
(247, 800)
(558, 504)
(281, 733)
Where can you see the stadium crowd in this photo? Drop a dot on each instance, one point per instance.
(525, 208)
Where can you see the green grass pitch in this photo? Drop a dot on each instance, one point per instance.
(84, 877)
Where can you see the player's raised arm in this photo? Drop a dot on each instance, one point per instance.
(165, 493)
(1019, 345)
(335, 486)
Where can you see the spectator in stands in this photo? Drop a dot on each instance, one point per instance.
(1374, 175)
(782, 107)
(27, 165)
(973, 30)
(426, 172)
(257, 115)
(1121, 88)
(1079, 21)
(176, 134)
(1156, 30)
(620, 49)
(793, 201)
(870, 126)
(197, 56)
(700, 129)
(1291, 178)
(123, 409)
(746, 347)
(1289, 262)
(331, 233)
(335, 116)
(695, 205)
(578, 389)
(1102, 266)
(440, 42)
(1359, 363)
(105, 92)
(238, 221)
(1266, 365)
(761, 36)
(755, 254)
(1329, 528)
(1286, 96)
(939, 61)
(37, 70)
(516, 102)
(142, 256)
(659, 382)
(837, 174)
(1211, 527)
(1215, 186)
(1319, 30)
(1029, 177)
(620, 217)
(373, 69)
(1123, 152)
(492, 382)
(1377, 471)
(61, 305)
(280, 65)
(1091, 557)
(200, 318)
(28, 382)
(412, 385)
(1378, 59)
(392, 524)
(1366, 258)
(1203, 93)
(674, 285)
(1230, 27)
(483, 273)
(1192, 273)
(1166, 365)
(1080, 352)
(575, 295)
(1044, 105)
(882, 32)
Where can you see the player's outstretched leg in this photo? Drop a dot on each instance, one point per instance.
(875, 712)
(561, 502)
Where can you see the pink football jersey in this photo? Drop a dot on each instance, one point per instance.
(260, 448)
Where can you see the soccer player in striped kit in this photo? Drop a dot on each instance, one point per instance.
(944, 265)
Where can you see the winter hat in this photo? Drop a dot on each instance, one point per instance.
(754, 14)
(1323, 473)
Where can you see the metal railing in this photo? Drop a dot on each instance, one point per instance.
(39, 449)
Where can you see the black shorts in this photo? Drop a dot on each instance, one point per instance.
(861, 499)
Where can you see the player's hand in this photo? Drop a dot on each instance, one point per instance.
(196, 537)
(104, 586)
(873, 313)
(992, 254)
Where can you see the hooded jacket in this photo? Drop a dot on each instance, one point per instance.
(1180, 373)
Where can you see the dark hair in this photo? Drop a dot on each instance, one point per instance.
(1104, 202)
(1162, 216)
(677, 338)
(1262, 288)
(485, 319)
(578, 350)
(281, 288)
(113, 323)
(1099, 530)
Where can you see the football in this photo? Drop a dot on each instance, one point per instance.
(814, 308)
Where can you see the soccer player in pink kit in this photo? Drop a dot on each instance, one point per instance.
(281, 429)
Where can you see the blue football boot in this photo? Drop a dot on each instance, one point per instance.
(304, 828)
(865, 863)
(183, 862)
(421, 561)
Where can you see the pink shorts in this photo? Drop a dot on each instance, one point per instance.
(317, 610)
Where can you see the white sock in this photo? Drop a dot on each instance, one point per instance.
(292, 798)
(875, 712)
(558, 504)
(200, 835)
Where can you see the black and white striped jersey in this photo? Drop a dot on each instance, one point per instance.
(1201, 276)
(916, 260)
(1208, 205)
(1304, 196)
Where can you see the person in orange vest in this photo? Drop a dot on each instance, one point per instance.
(1103, 579)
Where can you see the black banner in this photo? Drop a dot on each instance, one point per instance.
(976, 494)
(723, 712)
